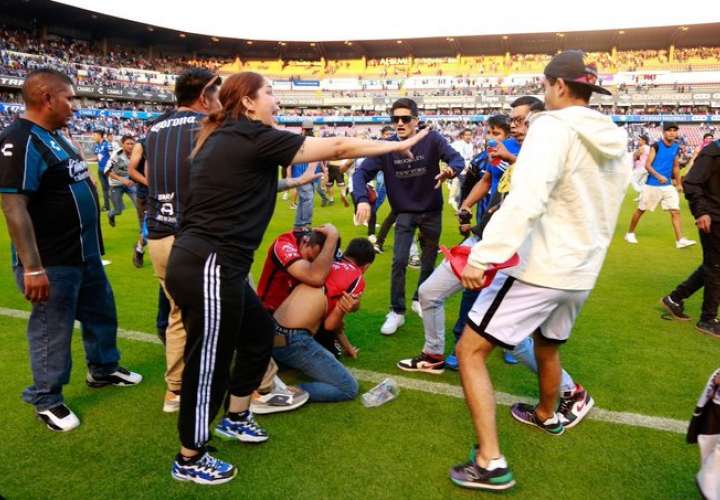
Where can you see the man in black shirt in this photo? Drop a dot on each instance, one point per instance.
(702, 190)
(167, 150)
(52, 213)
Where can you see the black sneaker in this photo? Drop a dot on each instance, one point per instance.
(59, 418)
(138, 257)
(120, 377)
(674, 308)
(710, 327)
(525, 413)
(471, 475)
(574, 406)
(111, 220)
(423, 363)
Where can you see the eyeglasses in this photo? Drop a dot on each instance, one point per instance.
(518, 120)
(405, 119)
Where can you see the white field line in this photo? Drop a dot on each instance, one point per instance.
(502, 398)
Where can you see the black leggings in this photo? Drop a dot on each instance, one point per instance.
(223, 318)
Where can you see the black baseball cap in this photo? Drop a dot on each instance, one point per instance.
(669, 125)
(570, 65)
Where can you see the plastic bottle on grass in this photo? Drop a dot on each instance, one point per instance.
(385, 391)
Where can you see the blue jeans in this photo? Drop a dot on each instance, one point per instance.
(304, 211)
(317, 186)
(333, 382)
(81, 293)
(380, 189)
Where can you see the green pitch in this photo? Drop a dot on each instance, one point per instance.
(629, 359)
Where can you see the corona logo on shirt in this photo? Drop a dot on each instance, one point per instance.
(77, 170)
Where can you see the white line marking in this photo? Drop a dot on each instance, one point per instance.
(441, 388)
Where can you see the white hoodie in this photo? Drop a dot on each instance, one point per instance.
(565, 194)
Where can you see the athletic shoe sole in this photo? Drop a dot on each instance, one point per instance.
(535, 426)
(483, 486)
(99, 385)
(433, 371)
(707, 332)
(171, 407)
(198, 480)
(669, 310)
(242, 438)
(48, 423)
(588, 406)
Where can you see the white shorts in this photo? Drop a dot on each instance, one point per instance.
(509, 311)
(667, 196)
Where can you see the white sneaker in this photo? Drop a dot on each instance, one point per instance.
(684, 242)
(284, 195)
(630, 238)
(171, 403)
(393, 321)
(416, 308)
(59, 418)
(281, 398)
(372, 239)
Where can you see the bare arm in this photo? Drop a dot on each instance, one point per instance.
(677, 180)
(345, 166)
(477, 193)
(314, 273)
(135, 159)
(22, 234)
(331, 148)
(307, 177)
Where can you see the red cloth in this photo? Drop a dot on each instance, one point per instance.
(458, 258)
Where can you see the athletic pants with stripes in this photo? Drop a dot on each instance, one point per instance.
(223, 318)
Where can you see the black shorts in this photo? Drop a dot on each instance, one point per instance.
(335, 176)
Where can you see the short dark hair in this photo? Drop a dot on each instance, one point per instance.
(29, 88)
(387, 128)
(126, 138)
(316, 238)
(190, 85)
(500, 121)
(465, 130)
(708, 134)
(99, 131)
(405, 103)
(361, 251)
(531, 101)
(577, 90)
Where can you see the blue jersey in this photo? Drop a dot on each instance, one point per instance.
(664, 161)
(103, 151)
(496, 172)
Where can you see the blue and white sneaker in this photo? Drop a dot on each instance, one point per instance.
(509, 358)
(245, 430)
(205, 470)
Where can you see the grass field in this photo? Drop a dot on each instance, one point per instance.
(627, 356)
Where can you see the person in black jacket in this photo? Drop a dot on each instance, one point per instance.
(702, 190)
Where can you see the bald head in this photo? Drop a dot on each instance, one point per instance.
(48, 94)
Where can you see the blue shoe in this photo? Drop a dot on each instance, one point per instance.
(451, 362)
(509, 358)
(205, 470)
(245, 430)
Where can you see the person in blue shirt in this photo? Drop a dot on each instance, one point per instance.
(412, 190)
(663, 185)
(103, 150)
(306, 192)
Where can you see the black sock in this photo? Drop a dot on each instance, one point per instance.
(237, 416)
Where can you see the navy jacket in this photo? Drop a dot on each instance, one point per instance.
(410, 183)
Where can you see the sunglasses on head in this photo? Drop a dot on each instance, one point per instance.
(405, 119)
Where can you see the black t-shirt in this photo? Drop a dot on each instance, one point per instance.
(63, 204)
(168, 145)
(233, 183)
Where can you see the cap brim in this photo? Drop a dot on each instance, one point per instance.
(596, 88)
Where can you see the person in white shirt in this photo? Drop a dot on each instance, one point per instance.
(640, 156)
(464, 146)
(568, 184)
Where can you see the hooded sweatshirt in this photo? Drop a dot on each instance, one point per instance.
(569, 181)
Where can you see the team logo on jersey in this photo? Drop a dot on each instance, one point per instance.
(77, 170)
(7, 149)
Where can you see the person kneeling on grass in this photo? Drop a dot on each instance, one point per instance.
(307, 309)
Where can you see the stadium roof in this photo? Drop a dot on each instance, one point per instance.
(55, 18)
(325, 20)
